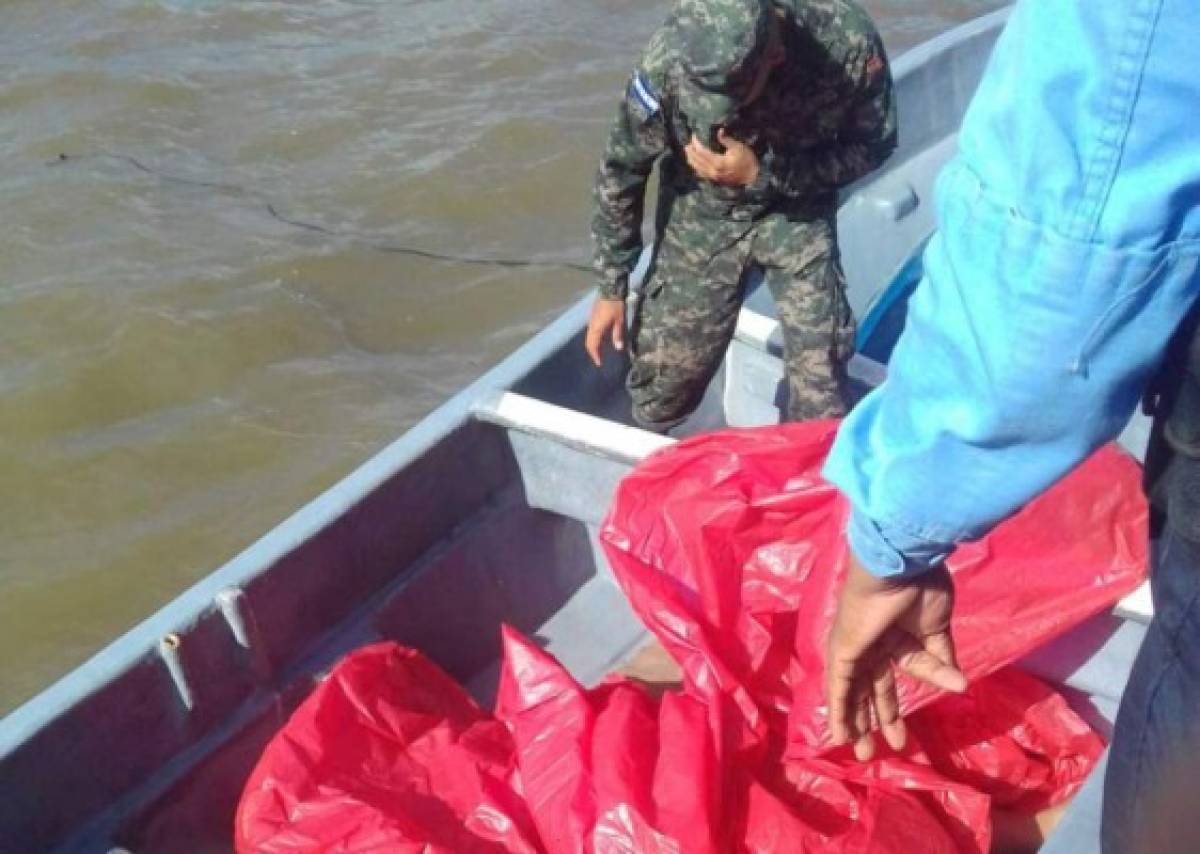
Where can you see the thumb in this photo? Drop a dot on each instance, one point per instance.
(925, 662)
(618, 331)
(941, 645)
(591, 343)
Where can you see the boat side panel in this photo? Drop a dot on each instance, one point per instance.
(320, 584)
(505, 563)
(518, 567)
(74, 766)
(195, 816)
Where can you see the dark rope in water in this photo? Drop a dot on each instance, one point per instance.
(269, 206)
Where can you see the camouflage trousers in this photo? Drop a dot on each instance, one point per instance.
(688, 310)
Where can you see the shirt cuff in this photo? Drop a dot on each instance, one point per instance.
(618, 289)
(888, 552)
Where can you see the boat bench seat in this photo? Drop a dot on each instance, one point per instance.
(570, 462)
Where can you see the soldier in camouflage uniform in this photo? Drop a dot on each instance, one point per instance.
(798, 94)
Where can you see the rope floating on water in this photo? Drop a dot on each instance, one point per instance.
(358, 237)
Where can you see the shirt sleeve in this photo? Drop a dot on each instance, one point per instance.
(637, 139)
(1066, 256)
(866, 139)
(1023, 352)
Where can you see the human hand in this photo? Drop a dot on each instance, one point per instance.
(737, 167)
(881, 622)
(608, 316)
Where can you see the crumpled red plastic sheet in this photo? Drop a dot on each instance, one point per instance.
(728, 546)
(387, 754)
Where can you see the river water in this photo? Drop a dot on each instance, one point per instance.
(179, 368)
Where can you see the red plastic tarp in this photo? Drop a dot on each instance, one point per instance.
(728, 547)
(387, 754)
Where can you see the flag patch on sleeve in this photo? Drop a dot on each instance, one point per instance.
(642, 94)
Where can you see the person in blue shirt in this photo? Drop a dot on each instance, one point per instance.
(1065, 260)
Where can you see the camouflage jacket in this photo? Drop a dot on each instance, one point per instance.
(826, 118)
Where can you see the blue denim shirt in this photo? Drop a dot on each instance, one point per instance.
(1066, 254)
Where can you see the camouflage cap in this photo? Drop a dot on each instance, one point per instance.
(719, 44)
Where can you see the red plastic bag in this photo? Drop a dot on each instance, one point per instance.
(388, 754)
(891, 805)
(612, 769)
(730, 548)
(1010, 736)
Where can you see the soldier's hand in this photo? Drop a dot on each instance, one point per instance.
(737, 167)
(608, 317)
